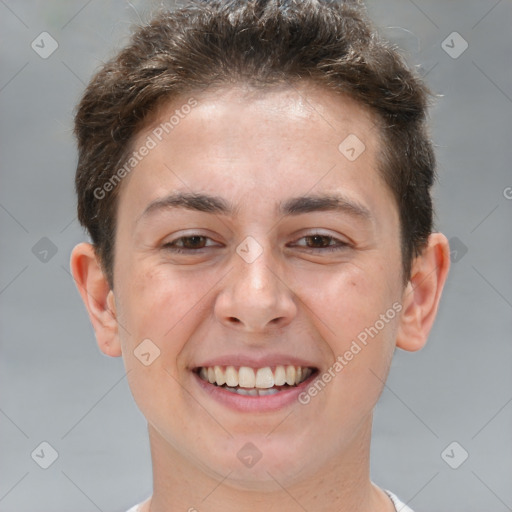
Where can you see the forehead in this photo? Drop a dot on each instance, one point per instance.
(238, 140)
(315, 111)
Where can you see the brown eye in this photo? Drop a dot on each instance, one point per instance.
(318, 241)
(193, 242)
(188, 244)
(321, 243)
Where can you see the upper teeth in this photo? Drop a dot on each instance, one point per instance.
(263, 378)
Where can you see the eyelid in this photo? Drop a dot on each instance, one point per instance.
(335, 237)
(338, 242)
(337, 245)
(191, 235)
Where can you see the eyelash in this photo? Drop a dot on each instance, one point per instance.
(340, 244)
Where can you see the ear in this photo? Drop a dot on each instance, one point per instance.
(97, 296)
(423, 292)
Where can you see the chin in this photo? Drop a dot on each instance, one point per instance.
(261, 465)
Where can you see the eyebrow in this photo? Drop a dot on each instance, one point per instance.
(293, 206)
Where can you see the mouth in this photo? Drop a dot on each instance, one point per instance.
(256, 382)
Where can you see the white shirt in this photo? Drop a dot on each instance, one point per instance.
(399, 506)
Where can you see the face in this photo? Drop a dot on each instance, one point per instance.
(249, 238)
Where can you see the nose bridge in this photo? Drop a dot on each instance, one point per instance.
(255, 296)
(256, 273)
(256, 263)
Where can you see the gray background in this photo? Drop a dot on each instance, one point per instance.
(57, 387)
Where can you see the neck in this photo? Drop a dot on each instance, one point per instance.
(342, 485)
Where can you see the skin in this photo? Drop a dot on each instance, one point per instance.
(256, 150)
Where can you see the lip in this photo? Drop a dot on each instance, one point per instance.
(244, 403)
(273, 360)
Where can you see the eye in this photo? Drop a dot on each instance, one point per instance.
(187, 244)
(321, 242)
(313, 242)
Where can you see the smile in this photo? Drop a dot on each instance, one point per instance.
(255, 382)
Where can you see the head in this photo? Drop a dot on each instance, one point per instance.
(255, 178)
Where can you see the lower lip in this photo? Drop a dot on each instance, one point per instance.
(246, 403)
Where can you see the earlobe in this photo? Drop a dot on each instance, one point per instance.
(98, 298)
(422, 294)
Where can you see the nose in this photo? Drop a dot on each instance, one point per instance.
(255, 296)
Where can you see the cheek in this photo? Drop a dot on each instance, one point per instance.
(358, 318)
(166, 308)
(163, 308)
(155, 299)
(347, 301)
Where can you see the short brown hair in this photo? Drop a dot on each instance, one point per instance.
(259, 43)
